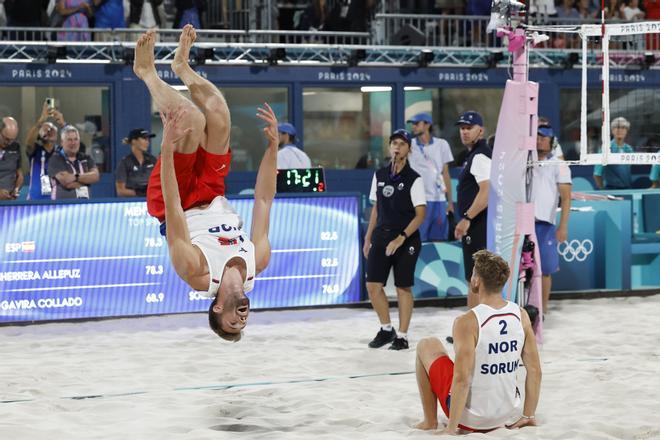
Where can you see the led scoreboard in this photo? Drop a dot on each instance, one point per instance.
(301, 180)
(102, 259)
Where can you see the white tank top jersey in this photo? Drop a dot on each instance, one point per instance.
(494, 399)
(217, 231)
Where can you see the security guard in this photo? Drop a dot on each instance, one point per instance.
(392, 239)
(133, 170)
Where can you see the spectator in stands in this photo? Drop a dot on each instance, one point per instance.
(567, 10)
(313, 17)
(349, 16)
(11, 174)
(145, 14)
(585, 11)
(76, 15)
(630, 11)
(289, 155)
(108, 14)
(612, 10)
(543, 8)
(190, 12)
(71, 172)
(40, 144)
(615, 176)
(654, 176)
(25, 13)
(134, 170)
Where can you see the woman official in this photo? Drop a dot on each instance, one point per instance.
(393, 240)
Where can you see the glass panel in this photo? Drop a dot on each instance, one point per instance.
(347, 128)
(88, 108)
(445, 105)
(247, 140)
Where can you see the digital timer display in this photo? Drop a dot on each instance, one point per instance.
(301, 180)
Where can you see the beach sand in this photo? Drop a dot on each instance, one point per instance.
(308, 374)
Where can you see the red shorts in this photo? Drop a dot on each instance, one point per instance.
(200, 176)
(441, 375)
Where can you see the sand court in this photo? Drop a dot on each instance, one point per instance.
(309, 374)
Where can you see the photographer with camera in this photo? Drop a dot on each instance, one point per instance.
(40, 144)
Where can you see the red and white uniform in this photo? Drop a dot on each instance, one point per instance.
(494, 399)
(217, 231)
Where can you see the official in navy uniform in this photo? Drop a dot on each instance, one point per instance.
(393, 240)
(134, 170)
(472, 192)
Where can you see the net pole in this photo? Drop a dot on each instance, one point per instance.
(583, 101)
(605, 113)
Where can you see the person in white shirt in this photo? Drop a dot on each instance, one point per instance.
(430, 157)
(479, 391)
(289, 155)
(550, 181)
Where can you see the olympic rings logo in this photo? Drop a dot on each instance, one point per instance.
(575, 250)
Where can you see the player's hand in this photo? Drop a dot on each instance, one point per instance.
(462, 228)
(522, 422)
(561, 234)
(173, 130)
(266, 114)
(393, 245)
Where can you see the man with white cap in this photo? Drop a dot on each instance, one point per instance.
(289, 155)
(430, 157)
(615, 176)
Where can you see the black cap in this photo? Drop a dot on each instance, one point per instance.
(137, 133)
(402, 134)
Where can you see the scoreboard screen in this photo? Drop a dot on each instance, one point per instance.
(104, 259)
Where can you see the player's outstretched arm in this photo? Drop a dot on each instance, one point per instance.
(264, 189)
(182, 253)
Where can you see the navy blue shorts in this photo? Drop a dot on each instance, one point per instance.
(435, 224)
(547, 241)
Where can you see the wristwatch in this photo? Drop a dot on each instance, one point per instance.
(403, 233)
(77, 177)
(467, 217)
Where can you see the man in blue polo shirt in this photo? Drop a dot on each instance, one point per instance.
(615, 176)
(551, 182)
(289, 155)
(430, 157)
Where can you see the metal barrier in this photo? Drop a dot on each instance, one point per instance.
(455, 31)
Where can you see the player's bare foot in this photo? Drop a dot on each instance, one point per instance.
(426, 425)
(182, 56)
(144, 55)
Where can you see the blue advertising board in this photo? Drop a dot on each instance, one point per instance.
(107, 259)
